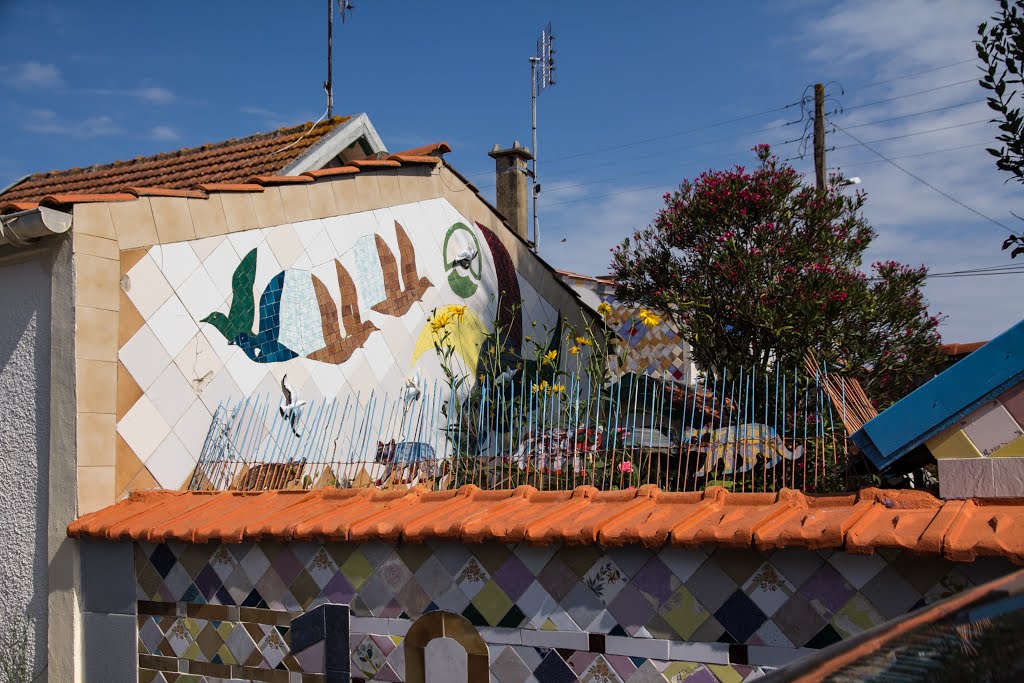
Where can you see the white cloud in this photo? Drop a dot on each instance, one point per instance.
(163, 133)
(29, 75)
(47, 122)
(154, 94)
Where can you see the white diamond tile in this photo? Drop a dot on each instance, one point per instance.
(357, 374)
(176, 261)
(245, 241)
(198, 362)
(683, 561)
(285, 244)
(322, 250)
(303, 262)
(173, 326)
(144, 357)
(204, 247)
(217, 342)
(170, 464)
(146, 286)
(769, 589)
(328, 378)
(222, 390)
(143, 428)
(307, 231)
(171, 394)
(857, 569)
(267, 268)
(247, 373)
(536, 604)
(297, 370)
(220, 265)
(192, 428)
(378, 355)
(200, 296)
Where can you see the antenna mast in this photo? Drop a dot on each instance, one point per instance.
(542, 76)
(344, 6)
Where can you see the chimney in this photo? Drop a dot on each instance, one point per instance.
(510, 176)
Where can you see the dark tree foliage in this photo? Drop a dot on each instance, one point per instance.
(756, 268)
(1001, 48)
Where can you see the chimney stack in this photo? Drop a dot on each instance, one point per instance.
(511, 180)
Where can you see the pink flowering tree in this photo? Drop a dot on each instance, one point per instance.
(755, 268)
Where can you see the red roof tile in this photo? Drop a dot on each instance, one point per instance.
(961, 349)
(230, 187)
(163, 192)
(860, 523)
(280, 179)
(432, 150)
(414, 159)
(374, 163)
(61, 199)
(328, 172)
(231, 161)
(13, 207)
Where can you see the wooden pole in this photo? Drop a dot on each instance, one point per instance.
(819, 135)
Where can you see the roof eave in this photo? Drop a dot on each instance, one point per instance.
(332, 144)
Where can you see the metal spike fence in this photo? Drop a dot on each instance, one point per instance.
(749, 432)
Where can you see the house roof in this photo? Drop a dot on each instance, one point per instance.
(861, 522)
(961, 349)
(955, 392)
(230, 161)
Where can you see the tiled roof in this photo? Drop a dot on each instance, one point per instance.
(231, 161)
(861, 522)
(961, 349)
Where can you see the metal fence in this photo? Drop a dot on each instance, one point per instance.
(749, 432)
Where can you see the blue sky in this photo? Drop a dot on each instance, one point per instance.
(644, 97)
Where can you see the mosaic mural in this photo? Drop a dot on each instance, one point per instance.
(993, 430)
(556, 613)
(340, 305)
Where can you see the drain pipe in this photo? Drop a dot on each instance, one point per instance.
(17, 229)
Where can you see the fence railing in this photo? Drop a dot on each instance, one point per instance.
(750, 432)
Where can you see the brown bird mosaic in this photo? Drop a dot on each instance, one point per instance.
(340, 345)
(397, 301)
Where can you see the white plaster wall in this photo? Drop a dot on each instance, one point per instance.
(24, 445)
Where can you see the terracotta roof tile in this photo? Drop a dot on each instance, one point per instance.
(961, 349)
(280, 179)
(413, 159)
(231, 161)
(59, 199)
(13, 207)
(432, 150)
(374, 163)
(230, 187)
(329, 172)
(164, 192)
(861, 522)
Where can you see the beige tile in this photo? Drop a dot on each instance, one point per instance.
(269, 208)
(387, 183)
(84, 243)
(93, 219)
(97, 386)
(143, 481)
(239, 212)
(208, 216)
(321, 200)
(172, 218)
(95, 488)
(345, 198)
(129, 257)
(128, 391)
(133, 223)
(368, 192)
(126, 464)
(129, 320)
(96, 281)
(96, 333)
(96, 433)
(295, 199)
(418, 183)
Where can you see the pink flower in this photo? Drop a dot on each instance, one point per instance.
(625, 467)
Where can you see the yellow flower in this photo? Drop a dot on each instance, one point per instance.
(534, 323)
(458, 311)
(574, 350)
(583, 341)
(439, 322)
(550, 356)
(481, 377)
(604, 309)
(648, 318)
(560, 388)
(529, 339)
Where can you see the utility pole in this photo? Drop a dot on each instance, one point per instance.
(819, 135)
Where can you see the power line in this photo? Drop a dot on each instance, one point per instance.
(916, 73)
(910, 156)
(919, 113)
(921, 180)
(908, 135)
(913, 94)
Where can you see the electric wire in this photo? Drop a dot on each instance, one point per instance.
(913, 94)
(910, 156)
(916, 73)
(907, 135)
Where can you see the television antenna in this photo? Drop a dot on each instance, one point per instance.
(344, 8)
(542, 77)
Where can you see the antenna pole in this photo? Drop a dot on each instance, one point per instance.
(329, 85)
(533, 108)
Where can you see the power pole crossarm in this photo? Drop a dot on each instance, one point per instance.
(819, 135)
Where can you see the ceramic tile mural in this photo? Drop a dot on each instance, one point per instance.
(339, 305)
(555, 613)
(993, 429)
(657, 351)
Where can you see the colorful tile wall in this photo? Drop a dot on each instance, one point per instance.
(994, 429)
(336, 304)
(561, 613)
(657, 351)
